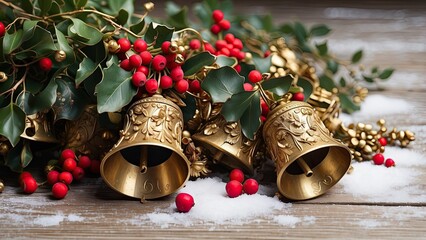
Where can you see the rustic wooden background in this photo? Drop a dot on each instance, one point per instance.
(393, 33)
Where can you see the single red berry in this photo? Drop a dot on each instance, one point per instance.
(143, 69)
(230, 46)
(95, 167)
(29, 185)
(146, 57)
(238, 43)
(378, 159)
(254, 76)
(59, 190)
(299, 96)
(383, 141)
(235, 52)
(140, 45)
(165, 47)
(171, 61)
(194, 44)
(236, 174)
(195, 86)
(215, 29)
(266, 53)
(125, 64)
(177, 73)
(225, 24)
(121, 56)
(265, 107)
(184, 202)
(262, 118)
(220, 44)
(45, 64)
(151, 85)
(78, 173)
(52, 177)
(125, 45)
(166, 82)
(69, 165)
(224, 51)
(229, 38)
(138, 79)
(159, 62)
(217, 15)
(2, 30)
(209, 48)
(248, 87)
(234, 188)
(250, 186)
(84, 162)
(181, 86)
(389, 162)
(241, 56)
(65, 177)
(238, 68)
(135, 60)
(67, 153)
(23, 175)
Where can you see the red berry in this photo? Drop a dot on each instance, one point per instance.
(390, 162)
(24, 175)
(59, 190)
(84, 162)
(159, 62)
(209, 48)
(238, 43)
(67, 153)
(2, 30)
(263, 118)
(195, 86)
(29, 185)
(378, 159)
(69, 165)
(215, 29)
(171, 61)
(166, 82)
(140, 45)
(184, 202)
(151, 86)
(235, 52)
(241, 56)
(299, 96)
(135, 61)
(121, 56)
(146, 57)
(65, 177)
(247, 87)
(234, 188)
(125, 64)
(45, 64)
(266, 53)
(224, 51)
(250, 186)
(95, 166)
(220, 44)
(165, 47)
(176, 73)
(78, 173)
(138, 79)
(236, 174)
(229, 38)
(143, 69)
(225, 24)
(265, 108)
(53, 177)
(217, 15)
(181, 86)
(383, 141)
(124, 45)
(254, 76)
(238, 68)
(194, 44)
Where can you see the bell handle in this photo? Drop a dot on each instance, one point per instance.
(306, 169)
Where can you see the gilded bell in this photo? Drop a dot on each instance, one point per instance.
(38, 127)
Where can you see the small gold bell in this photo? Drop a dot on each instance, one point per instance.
(148, 162)
(308, 160)
(38, 128)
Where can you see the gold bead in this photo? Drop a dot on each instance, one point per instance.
(1, 186)
(3, 77)
(363, 135)
(113, 46)
(360, 126)
(367, 149)
(179, 59)
(186, 134)
(368, 127)
(362, 143)
(381, 122)
(149, 6)
(60, 55)
(354, 142)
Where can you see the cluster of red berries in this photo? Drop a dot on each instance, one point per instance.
(379, 158)
(236, 185)
(220, 23)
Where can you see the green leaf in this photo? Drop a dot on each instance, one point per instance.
(54, 9)
(12, 41)
(368, 78)
(342, 82)
(197, 62)
(36, 103)
(26, 155)
(84, 32)
(326, 82)
(234, 108)
(386, 73)
(122, 17)
(29, 28)
(190, 109)
(246, 69)
(44, 6)
(356, 57)
(177, 16)
(250, 121)
(27, 5)
(347, 104)
(138, 27)
(127, 5)
(85, 69)
(223, 61)
(70, 100)
(12, 123)
(322, 48)
(222, 83)
(41, 43)
(91, 82)
(13, 158)
(300, 32)
(204, 14)
(115, 90)
(319, 30)
(158, 34)
(65, 46)
(287, 29)
(278, 86)
(307, 86)
(262, 64)
(80, 3)
(333, 66)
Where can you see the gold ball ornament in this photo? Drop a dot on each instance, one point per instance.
(3, 77)
(113, 46)
(4, 148)
(1, 186)
(60, 56)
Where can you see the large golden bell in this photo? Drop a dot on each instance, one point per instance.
(308, 160)
(147, 162)
(38, 128)
(226, 144)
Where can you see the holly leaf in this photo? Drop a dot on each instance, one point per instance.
(85, 69)
(386, 73)
(307, 86)
(13, 158)
(138, 27)
(326, 82)
(190, 107)
(65, 46)
(12, 41)
(12, 123)
(223, 61)
(35, 103)
(197, 62)
(26, 155)
(347, 104)
(41, 42)
(70, 100)
(84, 33)
(262, 64)
(333, 66)
(177, 17)
(234, 108)
(278, 86)
(319, 30)
(322, 48)
(115, 90)
(222, 83)
(250, 121)
(44, 6)
(158, 34)
(356, 57)
(80, 3)
(122, 17)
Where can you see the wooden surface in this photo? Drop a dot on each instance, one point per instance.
(392, 34)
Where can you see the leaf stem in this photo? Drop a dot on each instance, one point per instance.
(20, 10)
(13, 89)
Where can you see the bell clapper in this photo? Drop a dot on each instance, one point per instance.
(217, 156)
(144, 159)
(306, 169)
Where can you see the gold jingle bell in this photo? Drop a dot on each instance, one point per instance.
(308, 160)
(148, 162)
(39, 128)
(226, 143)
